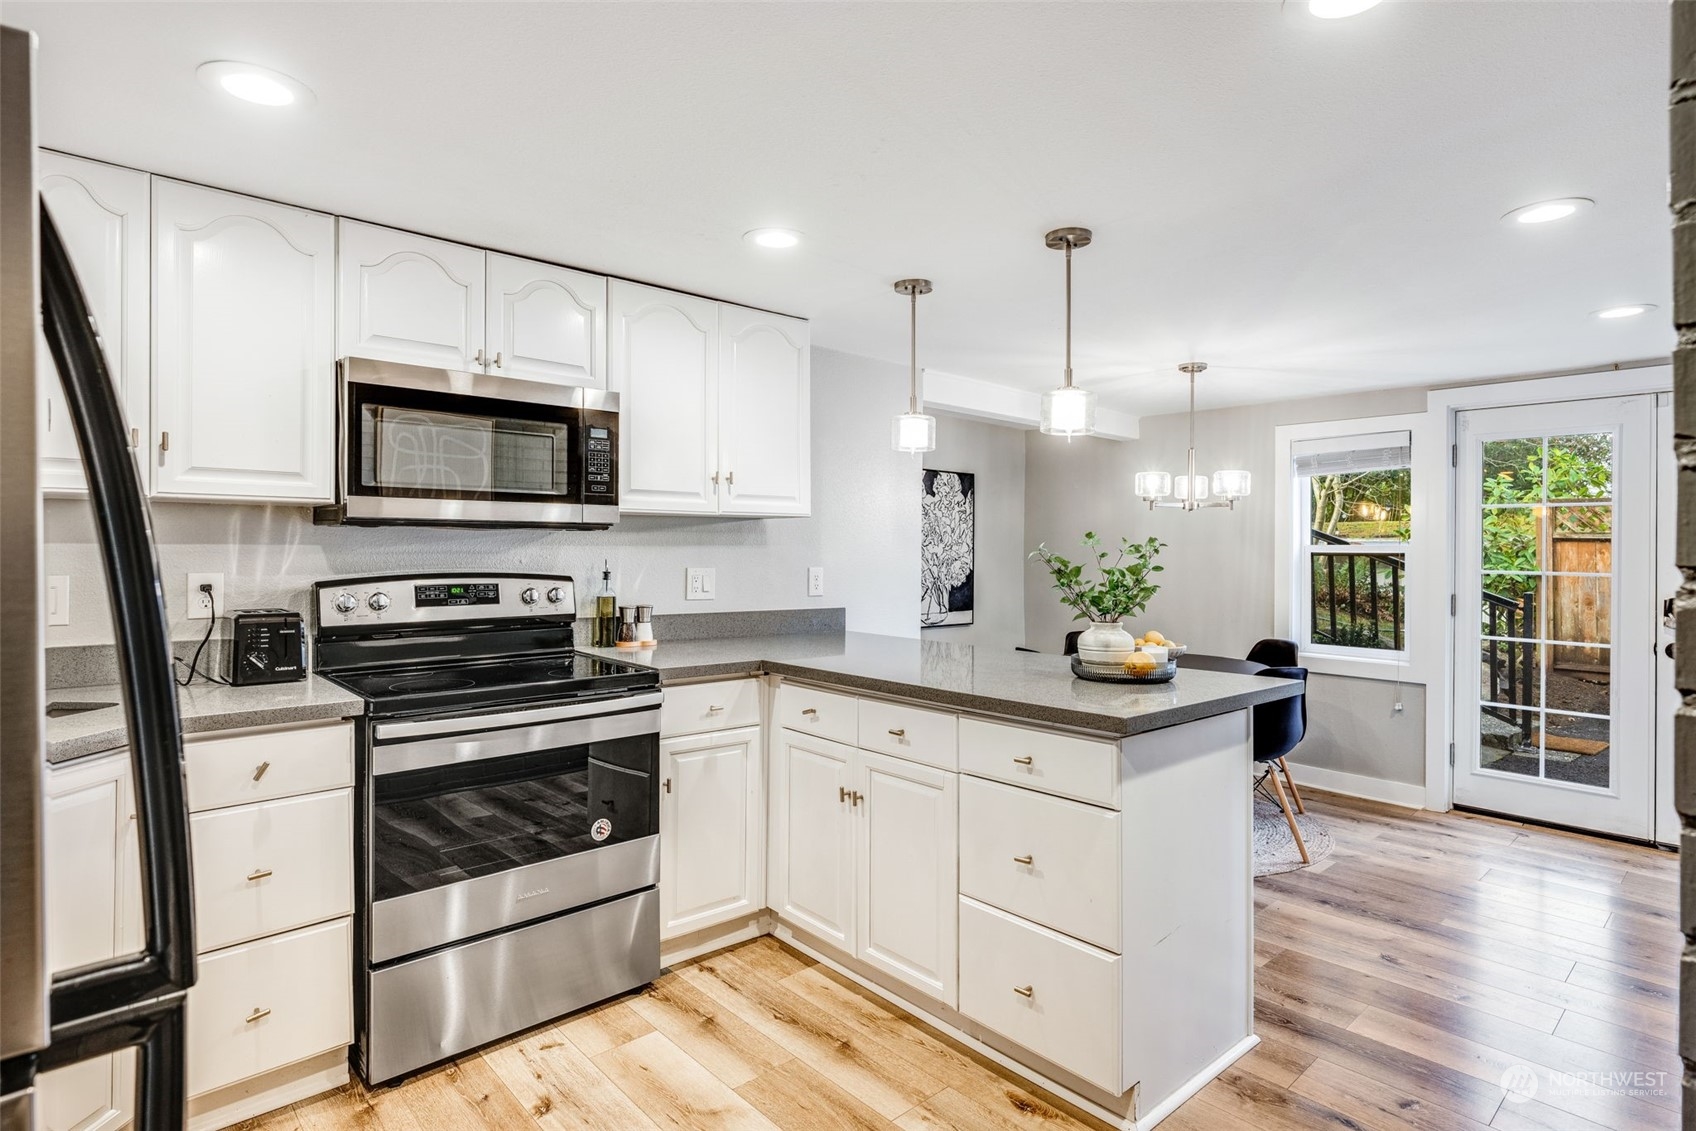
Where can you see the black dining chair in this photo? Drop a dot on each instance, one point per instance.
(1276, 653)
(1279, 727)
(1071, 648)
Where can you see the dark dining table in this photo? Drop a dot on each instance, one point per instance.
(1219, 664)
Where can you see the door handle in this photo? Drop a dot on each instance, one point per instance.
(497, 359)
(730, 479)
(841, 793)
(478, 358)
(164, 441)
(858, 797)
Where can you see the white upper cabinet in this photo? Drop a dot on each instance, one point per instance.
(664, 366)
(102, 215)
(244, 338)
(765, 424)
(546, 323)
(410, 298)
(714, 403)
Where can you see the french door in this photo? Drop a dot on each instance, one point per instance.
(1556, 625)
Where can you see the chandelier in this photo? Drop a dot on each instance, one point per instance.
(1189, 492)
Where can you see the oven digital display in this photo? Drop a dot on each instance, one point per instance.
(468, 593)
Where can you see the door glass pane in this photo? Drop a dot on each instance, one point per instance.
(1579, 678)
(1580, 609)
(1594, 522)
(1510, 673)
(1575, 750)
(1511, 536)
(1581, 467)
(1507, 741)
(1507, 605)
(1513, 470)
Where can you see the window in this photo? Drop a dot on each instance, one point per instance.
(1353, 498)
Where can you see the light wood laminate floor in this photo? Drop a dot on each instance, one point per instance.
(1397, 982)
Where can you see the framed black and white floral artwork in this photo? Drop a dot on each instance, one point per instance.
(947, 534)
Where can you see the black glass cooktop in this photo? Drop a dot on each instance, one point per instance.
(492, 683)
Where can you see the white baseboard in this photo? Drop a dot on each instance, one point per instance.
(1359, 785)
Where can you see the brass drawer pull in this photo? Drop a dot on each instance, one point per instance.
(1025, 761)
(809, 711)
(258, 874)
(1024, 991)
(898, 732)
(1027, 861)
(257, 1014)
(259, 770)
(713, 710)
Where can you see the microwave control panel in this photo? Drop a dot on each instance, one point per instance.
(597, 463)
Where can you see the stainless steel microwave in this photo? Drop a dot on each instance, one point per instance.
(438, 447)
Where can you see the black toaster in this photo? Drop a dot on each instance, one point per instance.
(266, 646)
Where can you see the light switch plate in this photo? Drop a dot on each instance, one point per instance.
(700, 584)
(58, 599)
(199, 608)
(815, 581)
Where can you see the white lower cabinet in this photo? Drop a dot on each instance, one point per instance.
(908, 878)
(709, 829)
(1051, 993)
(864, 851)
(92, 888)
(269, 1003)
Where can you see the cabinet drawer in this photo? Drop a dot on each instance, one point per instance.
(824, 713)
(260, 869)
(1080, 768)
(1052, 994)
(270, 1003)
(910, 732)
(1045, 858)
(241, 768)
(696, 708)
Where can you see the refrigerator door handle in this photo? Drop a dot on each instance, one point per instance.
(165, 966)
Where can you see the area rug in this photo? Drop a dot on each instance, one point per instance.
(1275, 849)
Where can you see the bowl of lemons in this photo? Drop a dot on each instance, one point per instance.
(1154, 661)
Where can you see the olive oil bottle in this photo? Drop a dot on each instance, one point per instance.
(606, 611)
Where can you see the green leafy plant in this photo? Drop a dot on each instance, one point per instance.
(1126, 584)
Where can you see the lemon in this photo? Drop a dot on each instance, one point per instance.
(1153, 637)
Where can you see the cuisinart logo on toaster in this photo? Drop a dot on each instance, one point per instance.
(522, 896)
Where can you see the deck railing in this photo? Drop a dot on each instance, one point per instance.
(1355, 597)
(1510, 657)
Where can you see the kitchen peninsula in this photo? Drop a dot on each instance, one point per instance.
(980, 837)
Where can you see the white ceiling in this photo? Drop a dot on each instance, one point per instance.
(1309, 205)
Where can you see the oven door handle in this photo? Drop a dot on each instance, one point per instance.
(457, 749)
(466, 724)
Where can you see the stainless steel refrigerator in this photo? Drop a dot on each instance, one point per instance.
(52, 1019)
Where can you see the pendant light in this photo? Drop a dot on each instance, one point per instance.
(1190, 492)
(914, 431)
(1068, 411)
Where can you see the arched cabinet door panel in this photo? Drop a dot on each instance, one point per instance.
(410, 298)
(244, 330)
(101, 212)
(664, 366)
(765, 421)
(546, 323)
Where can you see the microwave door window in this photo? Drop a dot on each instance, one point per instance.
(430, 451)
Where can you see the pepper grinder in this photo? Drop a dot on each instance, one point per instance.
(627, 626)
(645, 625)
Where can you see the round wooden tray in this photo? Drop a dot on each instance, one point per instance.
(1113, 673)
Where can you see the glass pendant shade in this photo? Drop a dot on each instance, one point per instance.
(914, 432)
(1153, 484)
(1231, 484)
(1184, 484)
(1068, 411)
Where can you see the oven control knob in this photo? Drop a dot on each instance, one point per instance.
(378, 602)
(530, 596)
(346, 602)
(556, 595)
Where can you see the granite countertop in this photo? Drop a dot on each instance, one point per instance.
(1032, 686)
(203, 707)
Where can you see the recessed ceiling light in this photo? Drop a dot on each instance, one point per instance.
(1339, 9)
(773, 237)
(252, 83)
(1548, 211)
(1629, 311)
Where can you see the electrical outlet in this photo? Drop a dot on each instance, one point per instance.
(58, 599)
(815, 581)
(199, 607)
(700, 585)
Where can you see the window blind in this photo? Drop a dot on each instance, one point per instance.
(1341, 455)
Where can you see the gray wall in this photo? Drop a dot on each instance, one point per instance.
(1683, 197)
(864, 530)
(996, 455)
(1217, 588)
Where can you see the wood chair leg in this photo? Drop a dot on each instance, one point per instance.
(1291, 782)
(1284, 804)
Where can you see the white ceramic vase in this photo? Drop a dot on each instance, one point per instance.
(1106, 642)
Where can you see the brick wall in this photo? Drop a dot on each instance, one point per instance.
(1683, 198)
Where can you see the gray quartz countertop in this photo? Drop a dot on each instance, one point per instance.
(203, 706)
(1036, 687)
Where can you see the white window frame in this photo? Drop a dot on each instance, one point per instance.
(1293, 552)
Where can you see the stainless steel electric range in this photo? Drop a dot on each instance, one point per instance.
(508, 787)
